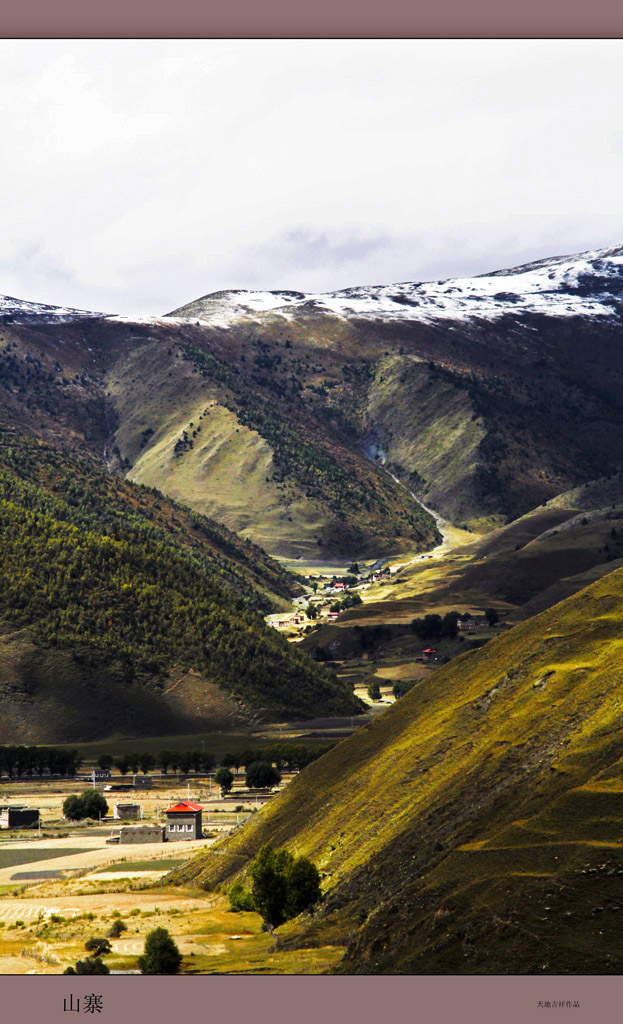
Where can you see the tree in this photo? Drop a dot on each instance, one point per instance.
(261, 775)
(123, 764)
(117, 928)
(449, 625)
(225, 779)
(311, 611)
(161, 954)
(164, 760)
(303, 880)
(97, 945)
(354, 568)
(230, 761)
(282, 886)
(94, 804)
(374, 691)
(73, 808)
(105, 762)
(492, 616)
(206, 761)
(269, 889)
(90, 804)
(89, 966)
(399, 689)
(240, 898)
(428, 628)
(146, 762)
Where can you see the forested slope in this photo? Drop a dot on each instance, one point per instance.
(126, 582)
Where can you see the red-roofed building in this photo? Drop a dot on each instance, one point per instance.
(429, 653)
(184, 821)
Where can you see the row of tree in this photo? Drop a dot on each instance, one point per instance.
(292, 756)
(23, 761)
(434, 627)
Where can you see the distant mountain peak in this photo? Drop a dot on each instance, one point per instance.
(587, 284)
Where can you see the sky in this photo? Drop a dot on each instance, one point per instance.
(137, 175)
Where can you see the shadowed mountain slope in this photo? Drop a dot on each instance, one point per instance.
(119, 609)
(285, 416)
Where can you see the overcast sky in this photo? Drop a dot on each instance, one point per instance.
(138, 175)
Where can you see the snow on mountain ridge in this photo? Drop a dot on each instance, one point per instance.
(15, 309)
(558, 286)
(587, 284)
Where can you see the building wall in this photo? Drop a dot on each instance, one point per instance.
(19, 817)
(184, 826)
(142, 781)
(145, 834)
(128, 811)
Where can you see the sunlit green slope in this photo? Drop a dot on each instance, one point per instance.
(476, 826)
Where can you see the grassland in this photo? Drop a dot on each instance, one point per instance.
(47, 930)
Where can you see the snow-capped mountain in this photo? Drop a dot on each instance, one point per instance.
(590, 283)
(586, 284)
(19, 310)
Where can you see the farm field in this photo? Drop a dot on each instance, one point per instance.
(45, 932)
(28, 861)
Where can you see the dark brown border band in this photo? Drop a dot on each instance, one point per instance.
(322, 19)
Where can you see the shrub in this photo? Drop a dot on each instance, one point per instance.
(117, 928)
(99, 946)
(240, 898)
(89, 966)
(161, 954)
(374, 691)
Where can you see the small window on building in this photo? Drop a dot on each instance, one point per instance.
(189, 828)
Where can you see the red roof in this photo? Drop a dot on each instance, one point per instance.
(183, 808)
(429, 650)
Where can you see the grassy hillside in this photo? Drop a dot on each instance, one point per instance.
(247, 428)
(263, 421)
(474, 827)
(251, 426)
(158, 606)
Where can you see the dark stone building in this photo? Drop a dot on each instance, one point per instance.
(19, 816)
(142, 781)
(141, 834)
(127, 811)
(184, 822)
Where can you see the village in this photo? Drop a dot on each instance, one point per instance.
(137, 816)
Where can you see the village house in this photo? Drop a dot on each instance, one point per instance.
(429, 654)
(19, 816)
(184, 821)
(141, 834)
(127, 812)
(472, 623)
(142, 781)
